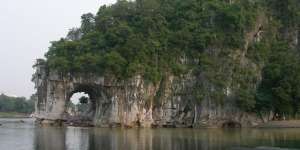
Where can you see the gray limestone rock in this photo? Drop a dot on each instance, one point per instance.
(133, 103)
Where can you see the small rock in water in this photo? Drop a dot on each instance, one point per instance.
(22, 121)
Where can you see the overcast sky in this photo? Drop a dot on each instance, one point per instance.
(26, 28)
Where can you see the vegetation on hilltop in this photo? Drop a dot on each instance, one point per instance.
(153, 38)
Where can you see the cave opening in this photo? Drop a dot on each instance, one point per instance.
(81, 106)
(78, 103)
(231, 124)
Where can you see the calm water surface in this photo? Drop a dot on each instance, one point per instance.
(15, 135)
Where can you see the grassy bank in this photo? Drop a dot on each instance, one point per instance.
(13, 115)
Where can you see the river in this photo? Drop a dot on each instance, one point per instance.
(24, 135)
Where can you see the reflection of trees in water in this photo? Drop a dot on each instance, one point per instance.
(77, 139)
(142, 139)
(162, 139)
(178, 139)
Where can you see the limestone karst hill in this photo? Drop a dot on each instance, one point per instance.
(175, 63)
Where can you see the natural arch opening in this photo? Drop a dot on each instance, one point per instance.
(78, 104)
(81, 106)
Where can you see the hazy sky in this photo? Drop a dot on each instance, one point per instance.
(26, 28)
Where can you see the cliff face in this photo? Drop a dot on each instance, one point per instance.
(176, 64)
(134, 102)
(210, 97)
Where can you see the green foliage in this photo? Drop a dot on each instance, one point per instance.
(154, 38)
(83, 100)
(150, 37)
(279, 89)
(246, 99)
(114, 63)
(286, 11)
(87, 23)
(16, 104)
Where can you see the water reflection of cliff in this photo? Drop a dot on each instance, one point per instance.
(161, 139)
(61, 139)
(50, 139)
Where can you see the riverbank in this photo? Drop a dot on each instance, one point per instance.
(281, 124)
(13, 115)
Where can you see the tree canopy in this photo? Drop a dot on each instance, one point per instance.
(153, 38)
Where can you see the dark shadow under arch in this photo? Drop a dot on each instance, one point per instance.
(231, 124)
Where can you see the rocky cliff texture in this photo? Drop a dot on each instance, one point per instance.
(134, 102)
(176, 64)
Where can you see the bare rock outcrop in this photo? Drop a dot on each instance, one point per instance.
(134, 102)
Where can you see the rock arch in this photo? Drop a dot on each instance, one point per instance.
(131, 103)
(54, 91)
(83, 117)
(92, 90)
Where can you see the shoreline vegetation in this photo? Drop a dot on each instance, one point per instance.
(14, 115)
(16, 107)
